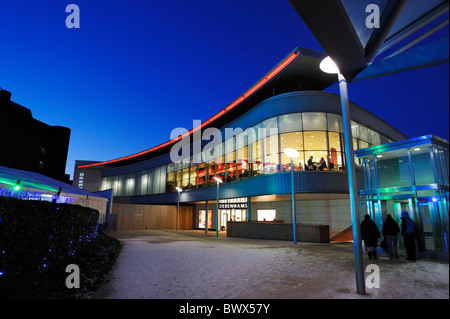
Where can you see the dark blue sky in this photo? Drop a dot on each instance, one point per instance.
(135, 70)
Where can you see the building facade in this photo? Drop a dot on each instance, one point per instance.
(29, 144)
(243, 146)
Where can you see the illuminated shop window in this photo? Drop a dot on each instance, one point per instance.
(266, 215)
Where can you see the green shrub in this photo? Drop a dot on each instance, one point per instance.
(37, 241)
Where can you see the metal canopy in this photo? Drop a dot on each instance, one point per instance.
(340, 27)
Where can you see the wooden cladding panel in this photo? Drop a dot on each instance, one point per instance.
(131, 216)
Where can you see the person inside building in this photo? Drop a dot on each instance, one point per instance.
(322, 164)
(311, 165)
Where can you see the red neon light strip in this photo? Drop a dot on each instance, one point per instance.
(252, 90)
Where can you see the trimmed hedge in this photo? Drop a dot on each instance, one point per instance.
(37, 242)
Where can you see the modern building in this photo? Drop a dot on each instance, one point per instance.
(29, 144)
(410, 175)
(84, 181)
(243, 146)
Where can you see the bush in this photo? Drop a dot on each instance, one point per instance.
(37, 242)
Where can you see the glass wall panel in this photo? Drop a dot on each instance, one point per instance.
(229, 145)
(241, 140)
(314, 121)
(117, 185)
(422, 165)
(355, 144)
(335, 123)
(179, 178)
(443, 160)
(106, 183)
(334, 140)
(242, 162)
(364, 133)
(211, 173)
(202, 175)
(143, 183)
(230, 163)
(393, 169)
(375, 137)
(355, 129)
(271, 155)
(150, 182)
(363, 144)
(256, 157)
(315, 140)
(185, 178)
(220, 169)
(290, 122)
(193, 177)
(171, 182)
(292, 140)
(129, 185)
(271, 126)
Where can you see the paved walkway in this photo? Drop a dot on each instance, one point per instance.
(192, 265)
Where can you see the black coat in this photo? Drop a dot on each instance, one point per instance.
(369, 230)
(390, 227)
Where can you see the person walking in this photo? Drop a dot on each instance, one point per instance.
(370, 235)
(409, 236)
(390, 230)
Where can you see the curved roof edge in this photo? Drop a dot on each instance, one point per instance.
(302, 63)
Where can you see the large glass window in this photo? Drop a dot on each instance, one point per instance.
(290, 123)
(317, 136)
(270, 126)
(202, 176)
(242, 162)
(271, 155)
(256, 157)
(422, 165)
(393, 169)
(314, 121)
(193, 177)
(292, 140)
(364, 134)
(335, 123)
(443, 160)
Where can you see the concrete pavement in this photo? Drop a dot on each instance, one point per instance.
(191, 265)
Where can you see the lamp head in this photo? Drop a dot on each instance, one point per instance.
(17, 186)
(328, 66)
(218, 180)
(178, 189)
(291, 153)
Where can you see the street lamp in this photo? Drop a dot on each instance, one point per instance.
(292, 153)
(218, 180)
(328, 66)
(178, 204)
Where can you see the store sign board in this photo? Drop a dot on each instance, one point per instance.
(232, 205)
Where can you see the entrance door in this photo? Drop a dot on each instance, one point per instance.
(378, 210)
(427, 223)
(434, 228)
(224, 217)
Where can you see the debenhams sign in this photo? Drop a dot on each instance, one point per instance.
(232, 205)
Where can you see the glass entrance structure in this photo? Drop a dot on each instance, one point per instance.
(410, 175)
